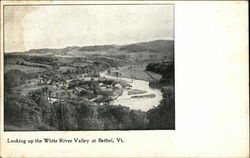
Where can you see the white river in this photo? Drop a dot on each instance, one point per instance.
(142, 104)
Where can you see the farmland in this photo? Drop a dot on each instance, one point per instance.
(26, 69)
(136, 72)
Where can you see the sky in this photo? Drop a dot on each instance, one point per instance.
(33, 27)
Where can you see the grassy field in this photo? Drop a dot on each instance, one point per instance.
(36, 64)
(65, 68)
(26, 69)
(136, 72)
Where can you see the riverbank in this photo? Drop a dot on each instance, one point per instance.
(137, 103)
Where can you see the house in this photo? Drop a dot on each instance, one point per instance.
(99, 96)
(117, 85)
(66, 85)
(100, 84)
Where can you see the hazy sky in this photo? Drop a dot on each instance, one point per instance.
(34, 27)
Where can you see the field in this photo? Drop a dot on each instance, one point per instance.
(24, 90)
(136, 72)
(65, 68)
(26, 69)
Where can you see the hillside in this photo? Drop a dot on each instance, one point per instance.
(152, 46)
(97, 48)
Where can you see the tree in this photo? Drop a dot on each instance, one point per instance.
(162, 116)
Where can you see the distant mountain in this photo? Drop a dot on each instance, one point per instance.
(133, 48)
(52, 51)
(97, 48)
(157, 46)
(42, 51)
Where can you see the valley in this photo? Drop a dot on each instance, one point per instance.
(103, 87)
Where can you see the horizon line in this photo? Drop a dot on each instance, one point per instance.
(170, 38)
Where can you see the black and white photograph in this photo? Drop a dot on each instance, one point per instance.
(89, 67)
(124, 79)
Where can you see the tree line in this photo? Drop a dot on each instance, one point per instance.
(35, 111)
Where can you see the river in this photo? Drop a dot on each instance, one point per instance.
(143, 104)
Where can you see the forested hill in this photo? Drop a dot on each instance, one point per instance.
(153, 46)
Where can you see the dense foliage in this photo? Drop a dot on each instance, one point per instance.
(165, 69)
(163, 116)
(36, 112)
(14, 78)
